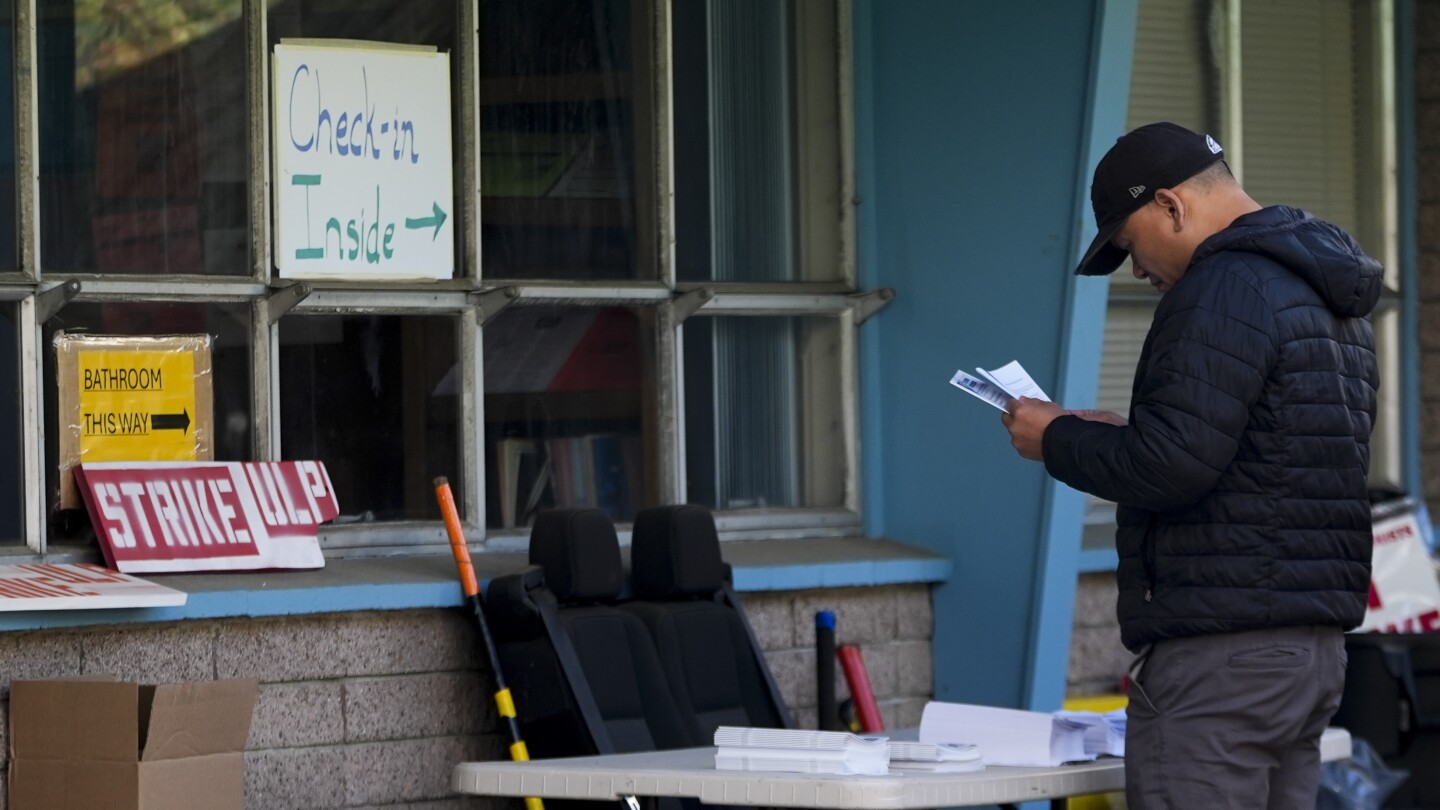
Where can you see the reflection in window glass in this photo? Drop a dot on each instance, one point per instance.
(763, 426)
(377, 399)
(564, 423)
(229, 328)
(8, 255)
(757, 162)
(143, 158)
(10, 490)
(559, 114)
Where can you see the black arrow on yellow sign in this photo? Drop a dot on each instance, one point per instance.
(171, 421)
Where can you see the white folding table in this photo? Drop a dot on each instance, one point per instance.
(690, 773)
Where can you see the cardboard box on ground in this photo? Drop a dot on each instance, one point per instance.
(90, 743)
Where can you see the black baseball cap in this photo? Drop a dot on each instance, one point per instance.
(1160, 155)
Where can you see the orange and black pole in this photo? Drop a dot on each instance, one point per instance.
(471, 585)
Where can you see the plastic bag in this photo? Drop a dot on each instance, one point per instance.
(1362, 782)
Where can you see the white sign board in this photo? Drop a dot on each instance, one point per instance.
(362, 161)
(47, 586)
(1404, 593)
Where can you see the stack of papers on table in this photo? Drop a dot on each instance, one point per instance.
(1006, 736)
(1104, 733)
(935, 757)
(800, 751)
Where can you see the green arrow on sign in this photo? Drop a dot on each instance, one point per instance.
(415, 223)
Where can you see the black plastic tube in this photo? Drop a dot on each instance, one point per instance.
(827, 713)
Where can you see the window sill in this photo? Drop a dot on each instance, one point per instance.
(429, 581)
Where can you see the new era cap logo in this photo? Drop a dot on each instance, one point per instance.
(1214, 147)
(1136, 191)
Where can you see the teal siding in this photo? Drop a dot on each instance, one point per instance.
(975, 124)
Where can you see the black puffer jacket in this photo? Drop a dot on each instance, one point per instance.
(1241, 478)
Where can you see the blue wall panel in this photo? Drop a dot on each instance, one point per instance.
(973, 124)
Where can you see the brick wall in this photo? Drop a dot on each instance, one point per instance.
(1097, 658)
(1427, 143)
(370, 710)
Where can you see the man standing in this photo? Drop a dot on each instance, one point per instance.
(1240, 474)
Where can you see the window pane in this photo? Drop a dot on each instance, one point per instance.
(409, 22)
(10, 490)
(763, 426)
(229, 328)
(757, 162)
(1300, 99)
(1175, 75)
(561, 86)
(8, 256)
(143, 158)
(566, 423)
(377, 398)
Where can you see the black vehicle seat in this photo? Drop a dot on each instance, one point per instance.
(714, 665)
(562, 609)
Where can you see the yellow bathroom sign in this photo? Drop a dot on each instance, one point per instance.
(132, 399)
(136, 406)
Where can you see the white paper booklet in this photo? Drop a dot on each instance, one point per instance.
(1006, 736)
(739, 748)
(935, 757)
(1104, 733)
(999, 386)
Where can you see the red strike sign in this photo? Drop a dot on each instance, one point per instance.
(208, 516)
(63, 586)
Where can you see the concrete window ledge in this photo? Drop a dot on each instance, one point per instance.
(430, 581)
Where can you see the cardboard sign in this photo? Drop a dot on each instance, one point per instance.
(215, 516)
(45, 586)
(363, 167)
(1404, 592)
(131, 399)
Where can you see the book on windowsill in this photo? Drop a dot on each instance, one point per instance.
(1016, 737)
(999, 386)
(739, 748)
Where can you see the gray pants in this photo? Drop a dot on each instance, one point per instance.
(1232, 720)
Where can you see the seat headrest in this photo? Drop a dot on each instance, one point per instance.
(579, 552)
(675, 552)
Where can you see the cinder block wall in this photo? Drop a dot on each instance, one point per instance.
(1427, 145)
(371, 710)
(1097, 658)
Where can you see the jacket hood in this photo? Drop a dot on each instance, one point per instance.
(1325, 256)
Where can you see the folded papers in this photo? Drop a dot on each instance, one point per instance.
(800, 751)
(835, 752)
(1021, 738)
(935, 757)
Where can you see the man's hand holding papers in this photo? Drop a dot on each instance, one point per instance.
(1000, 386)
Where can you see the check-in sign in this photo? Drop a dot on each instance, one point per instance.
(215, 516)
(363, 186)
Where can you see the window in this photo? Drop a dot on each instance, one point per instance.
(562, 108)
(11, 494)
(652, 300)
(379, 392)
(7, 147)
(1293, 90)
(747, 383)
(228, 325)
(142, 138)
